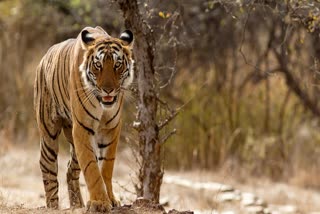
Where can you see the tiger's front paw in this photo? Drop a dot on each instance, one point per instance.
(99, 206)
(115, 202)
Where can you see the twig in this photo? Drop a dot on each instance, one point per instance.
(168, 119)
(242, 41)
(173, 72)
(165, 138)
(124, 188)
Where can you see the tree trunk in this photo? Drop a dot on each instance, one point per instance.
(150, 174)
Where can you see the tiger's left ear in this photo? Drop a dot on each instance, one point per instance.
(127, 37)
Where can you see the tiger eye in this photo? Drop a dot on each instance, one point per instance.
(98, 64)
(117, 64)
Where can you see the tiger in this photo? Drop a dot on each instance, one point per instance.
(79, 89)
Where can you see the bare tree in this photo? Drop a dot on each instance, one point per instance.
(151, 172)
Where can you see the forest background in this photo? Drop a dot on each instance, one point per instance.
(243, 76)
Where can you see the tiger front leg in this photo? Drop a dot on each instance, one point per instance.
(99, 200)
(107, 143)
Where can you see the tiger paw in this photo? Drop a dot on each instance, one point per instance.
(115, 202)
(98, 206)
(53, 203)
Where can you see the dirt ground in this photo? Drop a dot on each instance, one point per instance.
(21, 189)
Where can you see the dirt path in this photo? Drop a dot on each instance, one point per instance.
(21, 187)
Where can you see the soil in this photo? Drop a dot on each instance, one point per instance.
(21, 189)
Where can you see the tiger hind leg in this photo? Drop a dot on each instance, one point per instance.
(49, 169)
(73, 174)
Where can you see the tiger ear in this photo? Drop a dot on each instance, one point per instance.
(86, 39)
(127, 37)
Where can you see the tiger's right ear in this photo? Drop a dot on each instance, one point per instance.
(86, 39)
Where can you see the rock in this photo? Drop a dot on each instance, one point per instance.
(179, 212)
(229, 212)
(248, 199)
(260, 202)
(212, 186)
(164, 201)
(228, 196)
(254, 210)
(287, 209)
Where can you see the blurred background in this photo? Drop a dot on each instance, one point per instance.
(244, 74)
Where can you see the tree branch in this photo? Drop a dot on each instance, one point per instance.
(168, 119)
(293, 84)
(165, 138)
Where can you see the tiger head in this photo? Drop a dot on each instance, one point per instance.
(107, 66)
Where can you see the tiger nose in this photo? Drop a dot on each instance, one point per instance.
(108, 90)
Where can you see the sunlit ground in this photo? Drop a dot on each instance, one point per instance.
(201, 191)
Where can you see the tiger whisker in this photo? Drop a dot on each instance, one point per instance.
(89, 96)
(83, 94)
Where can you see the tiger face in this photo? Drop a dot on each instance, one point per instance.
(107, 67)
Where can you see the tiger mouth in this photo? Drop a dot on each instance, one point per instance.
(108, 100)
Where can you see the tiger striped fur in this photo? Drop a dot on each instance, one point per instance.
(79, 88)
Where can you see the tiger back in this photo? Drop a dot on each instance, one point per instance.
(79, 89)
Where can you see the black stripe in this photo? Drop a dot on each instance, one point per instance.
(89, 148)
(55, 180)
(117, 49)
(93, 117)
(85, 127)
(50, 110)
(67, 73)
(101, 145)
(49, 61)
(59, 73)
(114, 116)
(106, 159)
(95, 183)
(54, 187)
(50, 150)
(85, 92)
(85, 169)
(89, 78)
(54, 195)
(47, 170)
(45, 156)
(74, 159)
(75, 179)
(41, 108)
(53, 81)
(116, 44)
(65, 80)
(37, 78)
(66, 77)
(52, 136)
(113, 128)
